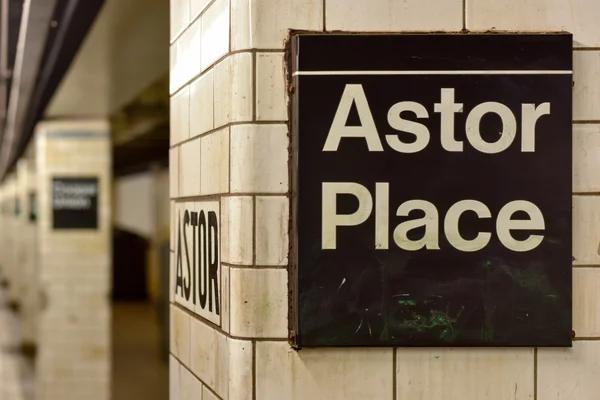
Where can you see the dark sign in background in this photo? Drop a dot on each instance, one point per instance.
(362, 294)
(33, 211)
(75, 203)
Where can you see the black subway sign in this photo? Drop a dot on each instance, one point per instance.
(197, 269)
(432, 190)
(75, 202)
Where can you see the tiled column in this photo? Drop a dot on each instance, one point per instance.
(74, 347)
(26, 250)
(3, 233)
(11, 240)
(229, 146)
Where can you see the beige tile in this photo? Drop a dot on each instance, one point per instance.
(233, 89)
(185, 57)
(189, 385)
(208, 395)
(569, 374)
(197, 6)
(586, 74)
(175, 77)
(586, 292)
(448, 374)
(172, 275)
(586, 158)
(215, 163)
(265, 24)
(223, 364)
(240, 369)
(201, 104)
(174, 172)
(236, 230)
(385, 15)
(180, 334)
(259, 159)
(225, 298)
(332, 374)
(203, 352)
(271, 93)
(215, 32)
(259, 306)
(174, 372)
(189, 168)
(180, 116)
(180, 16)
(586, 230)
(272, 229)
(576, 16)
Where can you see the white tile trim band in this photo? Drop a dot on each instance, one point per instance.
(457, 72)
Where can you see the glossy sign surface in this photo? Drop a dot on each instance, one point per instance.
(431, 190)
(75, 203)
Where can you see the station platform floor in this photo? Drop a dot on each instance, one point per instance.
(138, 371)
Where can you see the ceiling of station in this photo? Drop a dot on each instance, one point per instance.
(126, 52)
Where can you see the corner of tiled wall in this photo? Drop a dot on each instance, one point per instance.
(229, 145)
(74, 267)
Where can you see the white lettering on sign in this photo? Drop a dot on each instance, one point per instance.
(447, 108)
(73, 196)
(72, 203)
(197, 260)
(430, 240)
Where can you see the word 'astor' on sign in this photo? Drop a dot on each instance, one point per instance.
(447, 108)
(197, 274)
(430, 240)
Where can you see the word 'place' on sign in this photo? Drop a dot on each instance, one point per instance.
(431, 190)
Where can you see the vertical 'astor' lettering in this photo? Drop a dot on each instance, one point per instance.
(203, 274)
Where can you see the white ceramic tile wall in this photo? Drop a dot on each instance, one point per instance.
(201, 104)
(214, 160)
(233, 90)
(586, 286)
(180, 116)
(569, 374)
(25, 233)
(272, 228)
(576, 16)
(586, 74)
(174, 172)
(586, 230)
(259, 158)
(386, 15)
(265, 24)
(236, 230)
(586, 158)
(327, 374)
(246, 171)
(189, 164)
(494, 374)
(215, 33)
(197, 6)
(271, 96)
(180, 16)
(259, 302)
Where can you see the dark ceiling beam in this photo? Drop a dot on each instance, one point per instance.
(33, 33)
(73, 19)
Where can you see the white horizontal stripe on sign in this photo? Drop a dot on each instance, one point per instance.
(464, 72)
